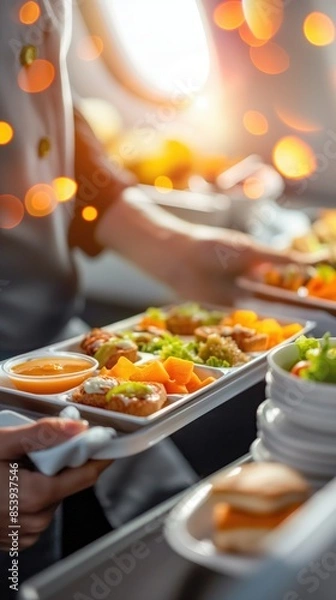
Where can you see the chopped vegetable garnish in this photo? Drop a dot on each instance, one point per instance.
(319, 360)
(304, 344)
(213, 361)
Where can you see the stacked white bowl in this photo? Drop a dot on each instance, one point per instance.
(297, 422)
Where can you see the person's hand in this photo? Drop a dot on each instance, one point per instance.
(212, 258)
(39, 495)
(198, 262)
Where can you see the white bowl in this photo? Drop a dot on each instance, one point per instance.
(52, 381)
(296, 393)
(281, 360)
(297, 404)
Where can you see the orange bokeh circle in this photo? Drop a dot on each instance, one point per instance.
(11, 211)
(37, 77)
(89, 213)
(29, 13)
(40, 200)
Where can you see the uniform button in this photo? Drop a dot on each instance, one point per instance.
(27, 55)
(44, 147)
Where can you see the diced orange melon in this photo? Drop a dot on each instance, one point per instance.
(179, 370)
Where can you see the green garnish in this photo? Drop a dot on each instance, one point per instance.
(130, 389)
(304, 344)
(157, 314)
(214, 317)
(105, 352)
(321, 357)
(154, 345)
(213, 361)
(109, 348)
(179, 349)
(192, 309)
(326, 272)
(189, 309)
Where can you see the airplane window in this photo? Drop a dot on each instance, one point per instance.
(162, 44)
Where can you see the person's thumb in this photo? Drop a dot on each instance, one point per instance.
(19, 441)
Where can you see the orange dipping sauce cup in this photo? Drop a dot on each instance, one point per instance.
(49, 373)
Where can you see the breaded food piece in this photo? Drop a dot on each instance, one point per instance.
(242, 532)
(107, 347)
(133, 398)
(149, 332)
(247, 340)
(183, 324)
(137, 398)
(93, 391)
(202, 333)
(261, 488)
(184, 319)
(94, 339)
(110, 351)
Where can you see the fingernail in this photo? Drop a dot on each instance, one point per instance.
(74, 427)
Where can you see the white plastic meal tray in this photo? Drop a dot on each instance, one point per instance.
(254, 285)
(136, 434)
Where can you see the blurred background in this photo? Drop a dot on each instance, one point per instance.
(180, 92)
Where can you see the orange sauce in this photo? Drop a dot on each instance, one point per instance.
(50, 375)
(46, 367)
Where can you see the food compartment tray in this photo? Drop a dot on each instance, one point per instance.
(226, 379)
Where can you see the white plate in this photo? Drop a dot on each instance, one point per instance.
(307, 468)
(188, 532)
(308, 460)
(251, 284)
(294, 438)
(260, 454)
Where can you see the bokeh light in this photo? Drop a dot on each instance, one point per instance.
(248, 37)
(271, 58)
(296, 121)
(29, 13)
(65, 188)
(40, 200)
(6, 133)
(37, 77)
(90, 47)
(255, 122)
(163, 184)
(229, 15)
(294, 158)
(264, 18)
(11, 211)
(319, 29)
(89, 213)
(253, 188)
